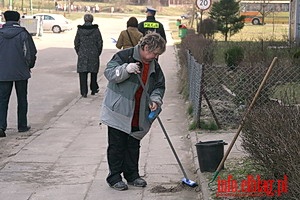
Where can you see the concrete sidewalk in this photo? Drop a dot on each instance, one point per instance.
(66, 160)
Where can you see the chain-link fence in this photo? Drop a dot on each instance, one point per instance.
(221, 94)
(194, 74)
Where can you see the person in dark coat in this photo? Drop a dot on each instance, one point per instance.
(17, 57)
(151, 25)
(88, 46)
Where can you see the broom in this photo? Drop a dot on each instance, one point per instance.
(152, 116)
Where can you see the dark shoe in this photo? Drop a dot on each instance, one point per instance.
(119, 186)
(25, 129)
(139, 182)
(2, 133)
(84, 95)
(94, 92)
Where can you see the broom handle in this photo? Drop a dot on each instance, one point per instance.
(171, 145)
(165, 132)
(244, 117)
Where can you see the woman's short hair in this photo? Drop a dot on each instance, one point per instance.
(88, 18)
(154, 42)
(132, 22)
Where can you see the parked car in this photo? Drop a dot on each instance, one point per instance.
(54, 22)
(189, 15)
(185, 16)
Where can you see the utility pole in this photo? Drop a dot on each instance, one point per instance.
(10, 5)
(291, 35)
(69, 6)
(297, 22)
(31, 10)
(64, 7)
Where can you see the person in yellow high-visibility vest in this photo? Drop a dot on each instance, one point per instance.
(151, 25)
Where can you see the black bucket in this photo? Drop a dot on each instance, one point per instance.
(210, 154)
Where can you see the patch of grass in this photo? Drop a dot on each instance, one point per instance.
(277, 18)
(204, 125)
(185, 92)
(276, 27)
(193, 126)
(255, 33)
(287, 92)
(238, 169)
(249, 46)
(190, 110)
(208, 125)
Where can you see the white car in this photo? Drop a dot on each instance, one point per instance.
(54, 22)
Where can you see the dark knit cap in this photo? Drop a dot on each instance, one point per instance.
(11, 15)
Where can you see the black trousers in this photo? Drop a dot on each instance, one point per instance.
(5, 92)
(123, 154)
(83, 76)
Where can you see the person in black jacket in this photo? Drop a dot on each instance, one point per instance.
(17, 57)
(88, 46)
(151, 25)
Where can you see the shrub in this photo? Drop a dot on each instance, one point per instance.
(201, 48)
(208, 28)
(271, 137)
(296, 54)
(233, 57)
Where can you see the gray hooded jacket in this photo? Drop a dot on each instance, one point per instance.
(119, 101)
